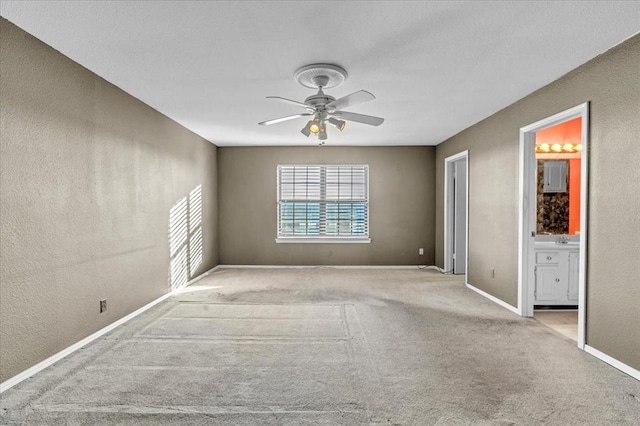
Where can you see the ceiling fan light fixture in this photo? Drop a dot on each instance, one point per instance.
(306, 130)
(338, 124)
(321, 106)
(315, 126)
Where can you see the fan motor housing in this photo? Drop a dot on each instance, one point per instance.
(319, 99)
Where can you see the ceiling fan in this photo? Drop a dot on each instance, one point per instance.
(324, 109)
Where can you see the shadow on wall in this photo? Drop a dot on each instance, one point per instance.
(185, 238)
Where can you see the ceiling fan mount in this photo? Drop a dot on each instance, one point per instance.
(316, 76)
(322, 108)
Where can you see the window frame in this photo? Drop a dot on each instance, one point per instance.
(321, 239)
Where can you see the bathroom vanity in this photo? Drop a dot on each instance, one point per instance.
(556, 272)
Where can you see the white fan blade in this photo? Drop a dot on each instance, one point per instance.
(355, 98)
(281, 119)
(291, 102)
(359, 118)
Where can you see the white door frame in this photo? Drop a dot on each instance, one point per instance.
(527, 213)
(448, 207)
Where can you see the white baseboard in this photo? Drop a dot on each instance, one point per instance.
(69, 350)
(322, 267)
(613, 362)
(201, 276)
(494, 299)
(9, 383)
(589, 349)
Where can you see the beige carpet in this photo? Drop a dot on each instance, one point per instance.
(324, 347)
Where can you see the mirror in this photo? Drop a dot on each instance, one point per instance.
(553, 197)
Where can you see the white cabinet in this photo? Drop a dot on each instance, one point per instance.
(556, 273)
(548, 284)
(555, 176)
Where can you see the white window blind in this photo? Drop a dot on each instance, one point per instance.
(320, 202)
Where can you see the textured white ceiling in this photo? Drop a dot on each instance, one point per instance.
(435, 67)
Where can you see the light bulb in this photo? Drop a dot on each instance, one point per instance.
(305, 130)
(338, 124)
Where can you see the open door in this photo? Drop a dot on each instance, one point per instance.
(455, 215)
(460, 216)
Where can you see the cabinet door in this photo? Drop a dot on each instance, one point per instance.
(549, 284)
(574, 264)
(555, 176)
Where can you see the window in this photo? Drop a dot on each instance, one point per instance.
(322, 203)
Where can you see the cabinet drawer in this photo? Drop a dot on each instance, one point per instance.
(547, 257)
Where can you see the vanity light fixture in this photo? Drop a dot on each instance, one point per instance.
(556, 148)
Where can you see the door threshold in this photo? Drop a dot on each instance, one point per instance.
(555, 307)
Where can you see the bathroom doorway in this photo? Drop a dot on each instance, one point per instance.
(553, 205)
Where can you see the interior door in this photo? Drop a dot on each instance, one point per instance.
(460, 216)
(574, 271)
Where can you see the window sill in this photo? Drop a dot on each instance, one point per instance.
(323, 240)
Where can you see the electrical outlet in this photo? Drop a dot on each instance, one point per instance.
(103, 305)
(420, 251)
(493, 273)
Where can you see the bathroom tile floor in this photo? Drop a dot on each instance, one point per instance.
(564, 322)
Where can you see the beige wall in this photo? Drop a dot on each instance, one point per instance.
(88, 176)
(611, 84)
(402, 183)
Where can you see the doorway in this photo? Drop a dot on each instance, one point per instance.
(552, 251)
(456, 206)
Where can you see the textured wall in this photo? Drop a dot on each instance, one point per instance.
(401, 191)
(88, 177)
(611, 85)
